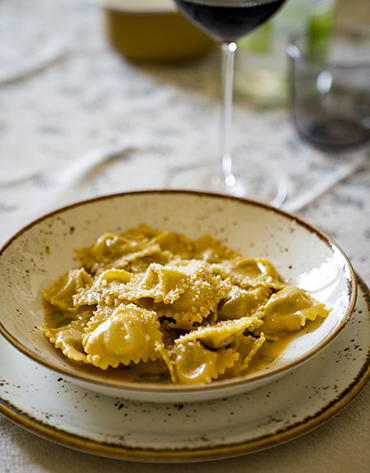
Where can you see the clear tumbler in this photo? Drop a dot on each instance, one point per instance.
(330, 87)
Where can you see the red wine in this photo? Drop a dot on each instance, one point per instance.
(226, 22)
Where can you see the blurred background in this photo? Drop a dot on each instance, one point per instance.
(65, 89)
(71, 94)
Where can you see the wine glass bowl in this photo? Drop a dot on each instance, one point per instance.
(226, 22)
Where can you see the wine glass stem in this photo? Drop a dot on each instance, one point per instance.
(228, 55)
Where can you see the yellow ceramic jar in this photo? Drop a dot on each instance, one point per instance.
(152, 30)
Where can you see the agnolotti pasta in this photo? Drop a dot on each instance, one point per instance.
(169, 309)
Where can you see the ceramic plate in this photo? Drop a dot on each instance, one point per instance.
(48, 405)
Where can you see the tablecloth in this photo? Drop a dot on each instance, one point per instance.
(77, 121)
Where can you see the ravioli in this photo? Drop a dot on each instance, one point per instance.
(193, 363)
(170, 309)
(221, 334)
(289, 310)
(130, 334)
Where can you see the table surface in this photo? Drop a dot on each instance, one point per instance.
(77, 121)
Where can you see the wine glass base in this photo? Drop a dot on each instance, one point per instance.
(254, 181)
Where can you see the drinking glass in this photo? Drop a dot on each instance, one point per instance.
(226, 21)
(331, 87)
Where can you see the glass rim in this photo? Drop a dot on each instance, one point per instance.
(295, 52)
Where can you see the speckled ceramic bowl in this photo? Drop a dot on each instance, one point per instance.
(42, 251)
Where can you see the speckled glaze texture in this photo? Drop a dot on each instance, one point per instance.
(49, 405)
(44, 250)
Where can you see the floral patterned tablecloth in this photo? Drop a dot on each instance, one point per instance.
(77, 121)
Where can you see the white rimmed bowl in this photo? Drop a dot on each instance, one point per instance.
(43, 250)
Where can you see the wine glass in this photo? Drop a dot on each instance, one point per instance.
(226, 21)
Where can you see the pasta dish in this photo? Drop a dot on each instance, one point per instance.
(162, 308)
